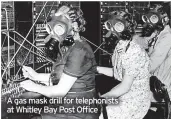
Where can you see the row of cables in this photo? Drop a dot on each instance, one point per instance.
(22, 44)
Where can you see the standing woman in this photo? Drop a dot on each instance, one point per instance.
(131, 67)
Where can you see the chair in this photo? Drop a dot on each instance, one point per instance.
(163, 103)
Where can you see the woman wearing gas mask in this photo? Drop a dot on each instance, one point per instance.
(157, 33)
(73, 73)
(131, 67)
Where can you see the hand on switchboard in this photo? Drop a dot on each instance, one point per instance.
(28, 85)
(30, 73)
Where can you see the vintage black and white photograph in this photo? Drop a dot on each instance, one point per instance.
(85, 60)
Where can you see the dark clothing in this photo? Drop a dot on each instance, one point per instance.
(75, 115)
(78, 61)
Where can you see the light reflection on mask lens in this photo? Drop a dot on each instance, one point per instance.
(144, 18)
(59, 29)
(108, 25)
(119, 27)
(154, 19)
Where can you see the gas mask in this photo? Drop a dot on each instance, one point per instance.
(120, 25)
(155, 19)
(60, 27)
(60, 30)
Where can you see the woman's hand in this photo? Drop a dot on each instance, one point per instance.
(98, 69)
(28, 72)
(105, 70)
(28, 85)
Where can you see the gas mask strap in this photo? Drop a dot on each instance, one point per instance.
(60, 51)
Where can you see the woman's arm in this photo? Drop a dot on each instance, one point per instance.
(64, 85)
(30, 73)
(43, 77)
(105, 70)
(121, 88)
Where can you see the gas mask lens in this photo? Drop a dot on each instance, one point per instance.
(59, 29)
(48, 28)
(145, 18)
(119, 27)
(154, 19)
(108, 25)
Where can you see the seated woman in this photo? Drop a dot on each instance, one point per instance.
(73, 74)
(131, 67)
